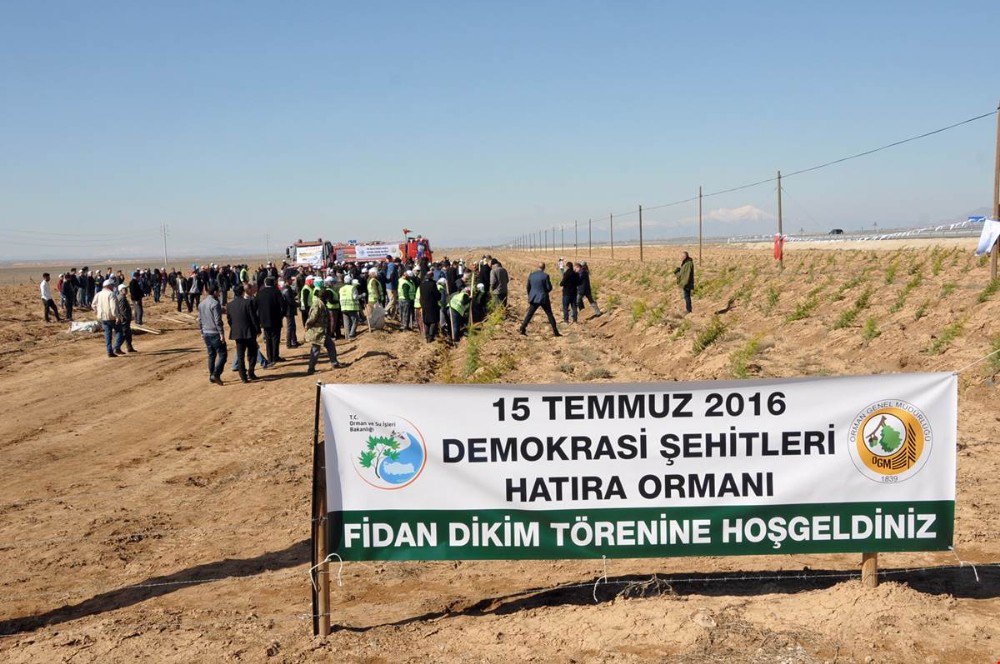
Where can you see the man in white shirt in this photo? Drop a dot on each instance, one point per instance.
(47, 299)
(106, 307)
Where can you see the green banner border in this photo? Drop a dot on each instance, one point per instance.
(547, 549)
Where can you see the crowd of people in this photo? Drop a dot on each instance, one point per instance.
(437, 299)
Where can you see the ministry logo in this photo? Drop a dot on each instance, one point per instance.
(890, 441)
(392, 456)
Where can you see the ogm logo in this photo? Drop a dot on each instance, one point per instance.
(392, 458)
(890, 441)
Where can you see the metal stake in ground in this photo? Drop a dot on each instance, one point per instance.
(612, 218)
(781, 253)
(641, 259)
(996, 201)
(699, 226)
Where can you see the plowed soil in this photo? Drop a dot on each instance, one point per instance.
(148, 515)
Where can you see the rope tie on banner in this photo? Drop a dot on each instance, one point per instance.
(962, 563)
(972, 364)
(604, 576)
(340, 571)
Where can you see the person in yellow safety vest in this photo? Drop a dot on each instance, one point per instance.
(407, 297)
(349, 306)
(306, 298)
(376, 295)
(333, 306)
(459, 306)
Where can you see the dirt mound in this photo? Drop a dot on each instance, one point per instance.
(148, 514)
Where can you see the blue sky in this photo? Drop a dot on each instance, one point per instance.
(476, 121)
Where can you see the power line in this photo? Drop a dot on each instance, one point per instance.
(810, 169)
(37, 233)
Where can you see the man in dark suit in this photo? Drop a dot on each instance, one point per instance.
(539, 286)
(244, 326)
(271, 309)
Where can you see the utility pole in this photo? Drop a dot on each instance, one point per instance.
(590, 238)
(267, 243)
(546, 245)
(562, 232)
(996, 201)
(612, 218)
(699, 226)
(553, 239)
(576, 239)
(641, 259)
(781, 257)
(163, 232)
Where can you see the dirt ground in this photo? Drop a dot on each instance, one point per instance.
(148, 515)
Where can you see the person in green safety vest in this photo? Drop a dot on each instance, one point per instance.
(407, 298)
(349, 306)
(480, 303)
(458, 305)
(306, 298)
(333, 305)
(376, 295)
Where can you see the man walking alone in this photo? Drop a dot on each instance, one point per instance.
(539, 286)
(685, 279)
(47, 302)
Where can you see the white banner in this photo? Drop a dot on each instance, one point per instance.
(309, 256)
(838, 449)
(375, 251)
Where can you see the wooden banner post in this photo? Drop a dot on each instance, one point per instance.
(869, 570)
(321, 547)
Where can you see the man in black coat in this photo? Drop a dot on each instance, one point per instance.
(430, 306)
(244, 326)
(570, 282)
(539, 285)
(271, 309)
(69, 288)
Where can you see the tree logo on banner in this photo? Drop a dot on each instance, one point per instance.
(891, 441)
(392, 458)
